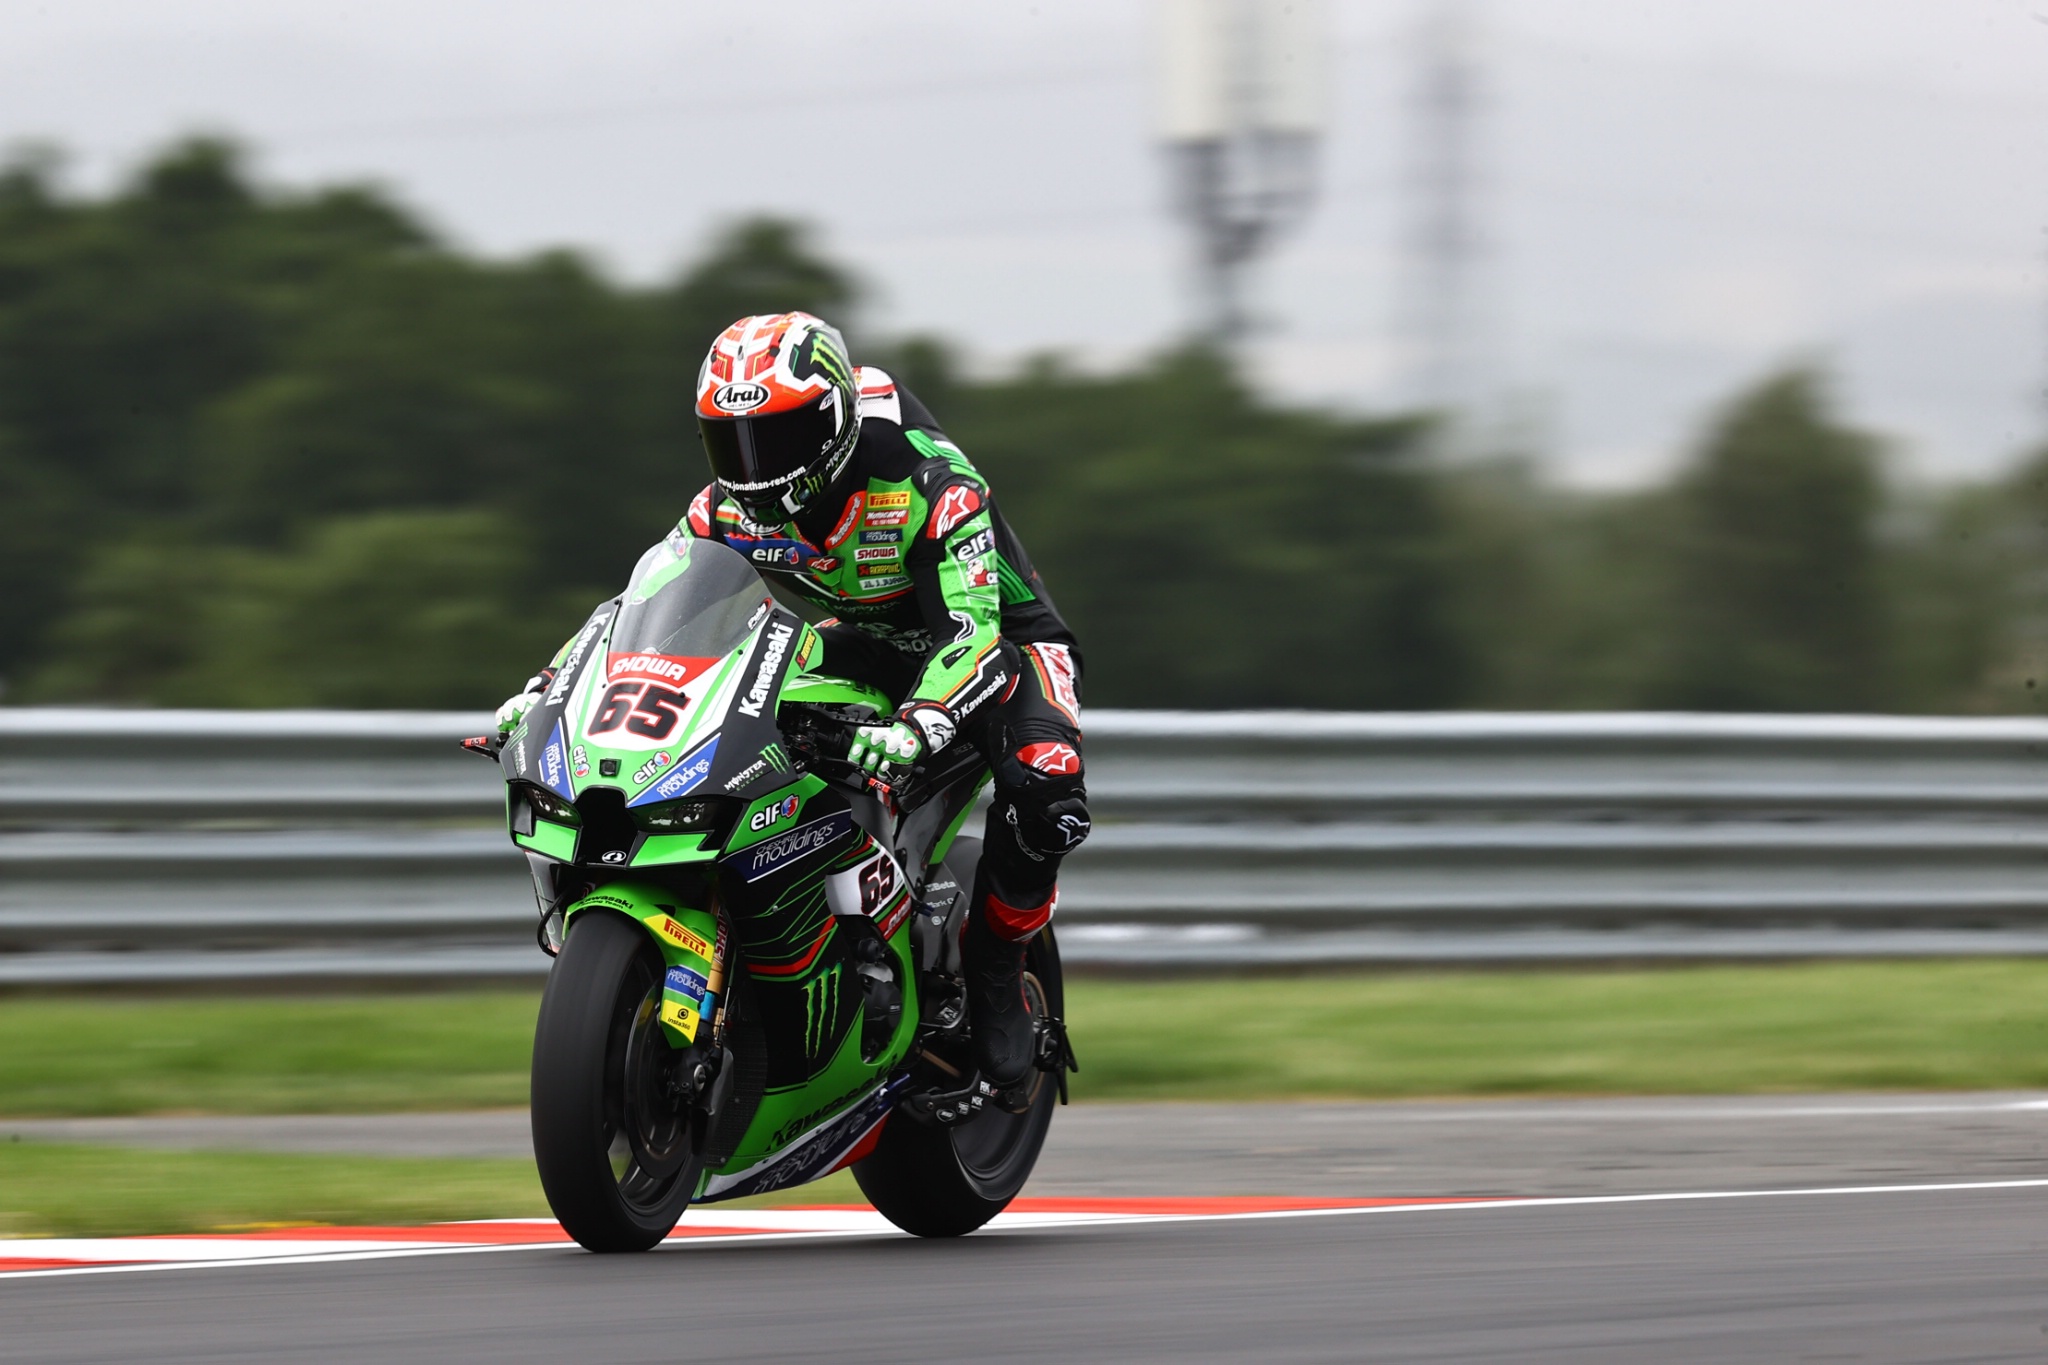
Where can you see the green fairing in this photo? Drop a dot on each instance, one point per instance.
(945, 844)
(835, 691)
(789, 1112)
(657, 909)
(782, 931)
(550, 840)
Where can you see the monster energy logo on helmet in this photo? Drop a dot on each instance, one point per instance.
(778, 408)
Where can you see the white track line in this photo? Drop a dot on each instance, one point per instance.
(1007, 1223)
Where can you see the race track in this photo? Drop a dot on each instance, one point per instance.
(1806, 1262)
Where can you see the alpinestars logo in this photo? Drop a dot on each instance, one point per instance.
(1057, 759)
(821, 1007)
(779, 636)
(956, 505)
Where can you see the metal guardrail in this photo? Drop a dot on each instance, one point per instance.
(220, 846)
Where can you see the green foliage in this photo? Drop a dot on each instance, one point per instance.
(265, 449)
(1775, 600)
(1211, 552)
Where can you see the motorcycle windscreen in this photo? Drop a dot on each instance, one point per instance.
(688, 606)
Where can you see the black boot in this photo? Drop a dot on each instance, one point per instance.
(1004, 1037)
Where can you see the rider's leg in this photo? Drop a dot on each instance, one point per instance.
(1040, 815)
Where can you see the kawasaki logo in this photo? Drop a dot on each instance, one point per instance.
(567, 676)
(779, 636)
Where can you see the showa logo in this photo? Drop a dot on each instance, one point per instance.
(743, 396)
(782, 810)
(668, 668)
(652, 766)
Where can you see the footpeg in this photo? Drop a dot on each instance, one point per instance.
(949, 1107)
(1055, 1052)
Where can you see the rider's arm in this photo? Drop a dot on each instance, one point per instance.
(952, 565)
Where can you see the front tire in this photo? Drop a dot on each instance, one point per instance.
(615, 1158)
(945, 1182)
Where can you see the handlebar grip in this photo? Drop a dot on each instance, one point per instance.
(485, 745)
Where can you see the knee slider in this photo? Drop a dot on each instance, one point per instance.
(1047, 829)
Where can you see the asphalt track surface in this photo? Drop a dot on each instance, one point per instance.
(1855, 1239)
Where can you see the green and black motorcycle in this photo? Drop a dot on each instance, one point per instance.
(757, 971)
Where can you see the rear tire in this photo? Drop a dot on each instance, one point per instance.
(946, 1182)
(593, 1127)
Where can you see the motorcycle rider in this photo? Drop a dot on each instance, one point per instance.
(838, 483)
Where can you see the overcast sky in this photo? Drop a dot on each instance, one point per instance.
(1680, 194)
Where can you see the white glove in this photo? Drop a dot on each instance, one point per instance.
(515, 708)
(895, 745)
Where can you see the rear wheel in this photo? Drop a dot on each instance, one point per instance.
(611, 1135)
(947, 1181)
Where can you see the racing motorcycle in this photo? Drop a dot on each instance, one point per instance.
(757, 976)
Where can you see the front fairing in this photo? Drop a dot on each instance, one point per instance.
(667, 694)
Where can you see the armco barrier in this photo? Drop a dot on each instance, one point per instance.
(160, 846)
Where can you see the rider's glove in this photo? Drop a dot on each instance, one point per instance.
(515, 708)
(895, 745)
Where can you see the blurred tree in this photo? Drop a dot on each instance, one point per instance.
(263, 448)
(391, 609)
(1213, 552)
(1775, 592)
(758, 265)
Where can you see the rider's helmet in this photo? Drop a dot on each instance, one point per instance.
(778, 411)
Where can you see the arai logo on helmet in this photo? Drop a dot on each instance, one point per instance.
(740, 396)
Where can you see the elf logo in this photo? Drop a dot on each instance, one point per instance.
(744, 396)
(775, 814)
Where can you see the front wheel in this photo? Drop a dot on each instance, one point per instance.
(947, 1181)
(610, 1134)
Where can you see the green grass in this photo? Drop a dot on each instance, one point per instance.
(66, 1190)
(1831, 1026)
(1706, 1030)
(51, 1189)
(71, 1056)
(1834, 1026)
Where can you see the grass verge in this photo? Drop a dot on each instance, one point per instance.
(1825, 1026)
(75, 1190)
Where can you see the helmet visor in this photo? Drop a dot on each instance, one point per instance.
(758, 459)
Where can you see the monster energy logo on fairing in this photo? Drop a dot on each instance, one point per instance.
(776, 759)
(821, 1005)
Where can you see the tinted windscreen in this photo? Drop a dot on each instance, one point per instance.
(700, 612)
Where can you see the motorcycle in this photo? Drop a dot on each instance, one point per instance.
(757, 976)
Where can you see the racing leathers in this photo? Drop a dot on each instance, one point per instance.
(935, 602)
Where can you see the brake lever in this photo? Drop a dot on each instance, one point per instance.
(488, 746)
(881, 791)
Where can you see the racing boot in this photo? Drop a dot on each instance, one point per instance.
(1005, 1037)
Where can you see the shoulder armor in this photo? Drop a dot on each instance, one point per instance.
(878, 395)
(700, 511)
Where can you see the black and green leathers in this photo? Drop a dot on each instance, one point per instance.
(933, 599)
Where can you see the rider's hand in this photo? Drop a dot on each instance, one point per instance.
(515, 708)
(876, 747)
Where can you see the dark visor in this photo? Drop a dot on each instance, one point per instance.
(772, 449)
